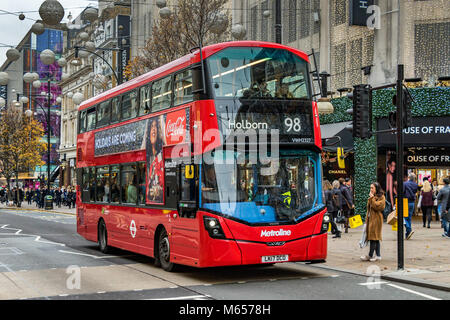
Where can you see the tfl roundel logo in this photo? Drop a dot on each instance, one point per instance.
(133, 228)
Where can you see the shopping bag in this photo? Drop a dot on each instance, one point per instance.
(355, 221)
(394, 226)
(363, 241)
(419, 203)
(392, 218)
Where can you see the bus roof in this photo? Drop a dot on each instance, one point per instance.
(179, 64)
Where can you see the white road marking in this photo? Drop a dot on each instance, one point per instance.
(414, 292)
(182, 298)
(96, 257)
(372, 283)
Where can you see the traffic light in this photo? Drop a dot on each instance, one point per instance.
(362, 107)
(407, 104)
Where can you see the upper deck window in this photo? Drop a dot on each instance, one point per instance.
(103, 113)
(130, 105)
(90, 119)
(161, 94)
(183, 87)
(256, 72)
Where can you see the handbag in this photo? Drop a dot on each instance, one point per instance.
(392, 218)
(340, 217)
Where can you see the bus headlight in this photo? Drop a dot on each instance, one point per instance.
(212, 225)
(325, 222)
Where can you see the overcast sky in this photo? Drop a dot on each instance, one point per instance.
(12, 30)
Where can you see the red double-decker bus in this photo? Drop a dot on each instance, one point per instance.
(210, 160)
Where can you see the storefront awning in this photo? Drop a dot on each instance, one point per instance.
(337, 130)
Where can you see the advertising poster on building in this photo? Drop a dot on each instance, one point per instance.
(390, 185)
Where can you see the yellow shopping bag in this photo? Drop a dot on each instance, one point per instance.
(355, 221)
(394, 226)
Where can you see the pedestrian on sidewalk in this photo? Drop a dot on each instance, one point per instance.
(410, 188)
(427, 202)
(333, 204)
(347, 201)
(374, 221)
(436, 189)
(444, 206)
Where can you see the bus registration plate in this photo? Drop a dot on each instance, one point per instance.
(272, 259)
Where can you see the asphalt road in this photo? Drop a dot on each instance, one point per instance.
(42, 257)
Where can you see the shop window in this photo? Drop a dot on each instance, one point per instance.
(128, 182)
(161, 94)
(183, 87)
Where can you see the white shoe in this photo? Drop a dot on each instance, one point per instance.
(375, 258)
(365, 258)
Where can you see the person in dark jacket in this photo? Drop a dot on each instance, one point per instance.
(444, 205)
(58, 198)
(410, 188)
(332, 203)
(347, 201)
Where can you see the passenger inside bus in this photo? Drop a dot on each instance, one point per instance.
(115, 191)
(131, 189)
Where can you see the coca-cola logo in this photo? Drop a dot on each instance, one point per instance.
(176, 127)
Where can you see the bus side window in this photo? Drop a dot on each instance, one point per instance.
(141, 182)
(183, 87)
(145, 95)
(92, 184)
(90, 119)
(115, 109)
(103, 184)
(85, 185)
(134, 100)
(82, 124)
(128, 183)
(161, 94)
(126, 106)
(114, 184)
(103, 112)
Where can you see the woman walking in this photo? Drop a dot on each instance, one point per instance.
(333, 206)
(374, 221)
(427, 202)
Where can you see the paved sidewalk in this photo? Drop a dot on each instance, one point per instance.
(26, 206)
(426, 255)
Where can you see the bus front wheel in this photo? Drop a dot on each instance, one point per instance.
(164, 252)
(103, 237)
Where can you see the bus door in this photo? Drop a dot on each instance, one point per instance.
(185, 233)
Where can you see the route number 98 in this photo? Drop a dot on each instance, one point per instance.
(292, 124)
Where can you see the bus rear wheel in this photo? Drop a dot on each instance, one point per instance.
(164, 252)
(103, 237)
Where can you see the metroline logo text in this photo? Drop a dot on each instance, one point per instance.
(273, 233)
